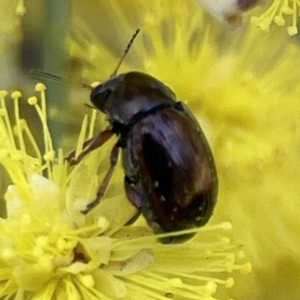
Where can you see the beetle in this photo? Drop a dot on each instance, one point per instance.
(170, 174)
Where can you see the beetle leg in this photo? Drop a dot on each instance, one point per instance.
(71, 157)
(134, 198)
(90, 145)
(132, 193)
(113, 161)
(134, 218)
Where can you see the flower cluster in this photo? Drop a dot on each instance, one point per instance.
(277, 12)
(49, 249)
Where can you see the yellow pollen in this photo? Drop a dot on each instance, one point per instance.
(40, 87)
(21, 9)
(49, 156)
(3, 94)
(277, 12)
(229, 283)
(227, 225)
(292, 30)
(211, 287)
(16, 95)
(32, 100)
(246, 268)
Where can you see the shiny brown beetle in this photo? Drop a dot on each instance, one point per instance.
(170, 175)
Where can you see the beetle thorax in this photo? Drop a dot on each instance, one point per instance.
(138, 92)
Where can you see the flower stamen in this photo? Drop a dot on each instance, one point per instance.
(275, 13)
(48, 248)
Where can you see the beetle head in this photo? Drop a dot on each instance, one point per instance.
(102, 92)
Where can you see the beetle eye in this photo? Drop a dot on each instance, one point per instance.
(99, 99)
(103, 96)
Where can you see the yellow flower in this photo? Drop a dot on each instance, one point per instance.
(244, 89)
(274, 11)
(277, 12)
(228, 11)
(49, 249)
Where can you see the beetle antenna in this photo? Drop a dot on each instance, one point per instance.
(43, 74)
(125, 53)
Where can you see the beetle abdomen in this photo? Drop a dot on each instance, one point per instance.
(173, 169)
